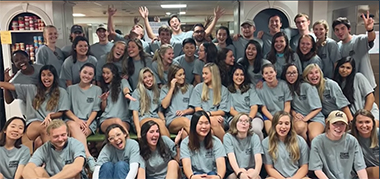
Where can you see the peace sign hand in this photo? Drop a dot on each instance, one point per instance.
(368, 21)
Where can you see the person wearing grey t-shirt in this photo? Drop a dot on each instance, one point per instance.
(337, 154)
(302, 22)
(103, 46)
(76, 31)
(247, 28)
(357, 46)
(286, 154)
(60, 157)
(120, 157)
(14, 155)
(159, 155)
(201, 153)
(307, 52)
(365, 131)
(224, 40)
(71, 66)
(162, 60)
(243, 148)
(188, 59)
(306, 105)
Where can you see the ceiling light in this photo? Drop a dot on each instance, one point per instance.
(168, 13)
(173, 5)
(182, 12)
(78, 15)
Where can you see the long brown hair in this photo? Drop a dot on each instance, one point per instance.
(173, 69)
(123, 59)
(53, 91)
(354, 131)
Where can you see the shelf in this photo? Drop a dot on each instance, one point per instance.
(25, 31)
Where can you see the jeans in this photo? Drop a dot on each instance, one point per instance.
(118, 170)
(209, 173)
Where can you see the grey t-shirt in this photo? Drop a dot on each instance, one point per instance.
(139, 64)
(196, 101)
(70, 70)
(358, 48)
(156, 166)
(281, 62)
(337, 159)
(66, 50)
(274, 98)
(177, 47)
(255, 77)
(203, 160)
(371, 155)
(55, 160)
(315, 59)
(240, 46)
(159, 80)
(130, 153)
(329, 55)
(97, 49)
(179, 101)
(284, 163)
(188, 66)
(198, 67)
(182, 36)
(333, 97)
(11, 159)
(154, 106)
(45, 56)
(242, 102)
(27, 93)
(84, 101)
(102, 61)
(244, 149)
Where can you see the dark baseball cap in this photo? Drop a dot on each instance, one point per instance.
(76, 28)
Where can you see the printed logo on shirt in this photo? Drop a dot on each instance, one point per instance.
(302, 97)
(248, 151)
(209, 153)
(246, 99)
(352, 52)
(327, 94)
(344, 155)
(13, 164)
(68, 162)
(90, 100)
(323, 55)
(281, 98)
(185, 100)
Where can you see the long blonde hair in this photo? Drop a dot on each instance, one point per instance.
(215, 83)
(354, 131)
(158, 56)
(291, 140)
(144, 97)
(322, 81)
(123, 59)
(322, 42)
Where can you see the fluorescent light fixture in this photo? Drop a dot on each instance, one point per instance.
(78, 15)
(173, 5)
(182, 12)
(168, 13)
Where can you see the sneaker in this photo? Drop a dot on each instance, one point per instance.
(91, 164)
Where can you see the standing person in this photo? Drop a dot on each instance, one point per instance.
(44, 101)
(207, 53)
(243, 148)
(212, 96)
(306, 109)
(248, 28)
(274, 25)
(275, 95)
(252, 61)
(286, 154)
(14, 155)
(224, 39)
(146, 106)
(329, 92)
(244, 99)
(76, 30)
(302, 21)
(50, 54)
(187, 60)
(357, 46)
(307, 52)
(365, 131)
(114, 103)
(281, 54)
(159, 155)
(226, 61)
(162, 60)
(80, 56)
(327, 48)
(103, 46)
(60, 157)
(120, 157)
(355, 87)
(202, 154)
(175, 98)
(336, 154)
(85, 104)
(118, 56)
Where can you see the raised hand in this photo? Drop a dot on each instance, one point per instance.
(111, 11)
(218, 12)
(136, 20)
(7, 77)
(104, 96)
(368, 21)
(260, 34)
(144, 12)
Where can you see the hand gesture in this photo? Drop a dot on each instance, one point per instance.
(218, 12)
(157, 19)
(144, 12)
(368, 21)
(7, 77)
(104, 96)
(179, 113)
(178, 137)
(236, 37)
(173, 82)
(111, 11)
(260, 34)
(47, 120)
(136, 20)
(128, 96)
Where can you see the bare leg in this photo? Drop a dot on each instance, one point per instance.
(373, 172)
(35, 129)
(267, 125)
(161, 124)
(111, 121)
(301, 128)
(41, 172)
(315, 128)
(77, 133)
(25, 141)
(178, 123)
(173, 168)
(217, 127)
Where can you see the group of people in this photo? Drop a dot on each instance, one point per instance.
(279, 85)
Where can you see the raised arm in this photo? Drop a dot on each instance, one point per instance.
(110, 28)
(218, 12)
(368, 24)
(7, 94)
(144, 13)
(7, 86)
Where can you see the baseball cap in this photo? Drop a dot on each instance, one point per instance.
(101, 26)
(336, 116)
(76, 28)
(249, 22)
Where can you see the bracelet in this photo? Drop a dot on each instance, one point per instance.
(238, 175)
(209, 113)
(127, 93)
(191, 176)
(370, 30)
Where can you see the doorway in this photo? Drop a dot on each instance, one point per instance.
(262, 18)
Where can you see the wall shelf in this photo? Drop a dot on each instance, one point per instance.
(25, 31)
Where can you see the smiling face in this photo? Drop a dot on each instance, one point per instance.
(305, 45)
(291, 74)
(251, 52)
(203, 126)
(152, 136)
(58, 137)
(320, 31)
(148, 79)
(81, 48)
(133, 49)
(314, 76)
(168, 56)
(102, 35)
(238, 77)
(280, 44)
(202, 53)
(199, 34)
(116, 138)
(342, 32)
(247, 30)
(275, 24)
(221, 36)
(189, 49)
(15, 130)
(118, 51)
(51, 35)
(302, 23)
(107, 75)
(283, 126)
(337, 129)
(269, 74)
(87, 74)
(364, 125)
(165, 37)
(206, 75)
(20, 61)
(180, 76)
(175, 24)
(345, 69)
(230, 59)
(47, 78)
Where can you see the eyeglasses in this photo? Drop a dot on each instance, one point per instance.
(243, 121)
(199, 31)
(293, 73)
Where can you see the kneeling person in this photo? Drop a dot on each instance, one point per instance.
(63, 156)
